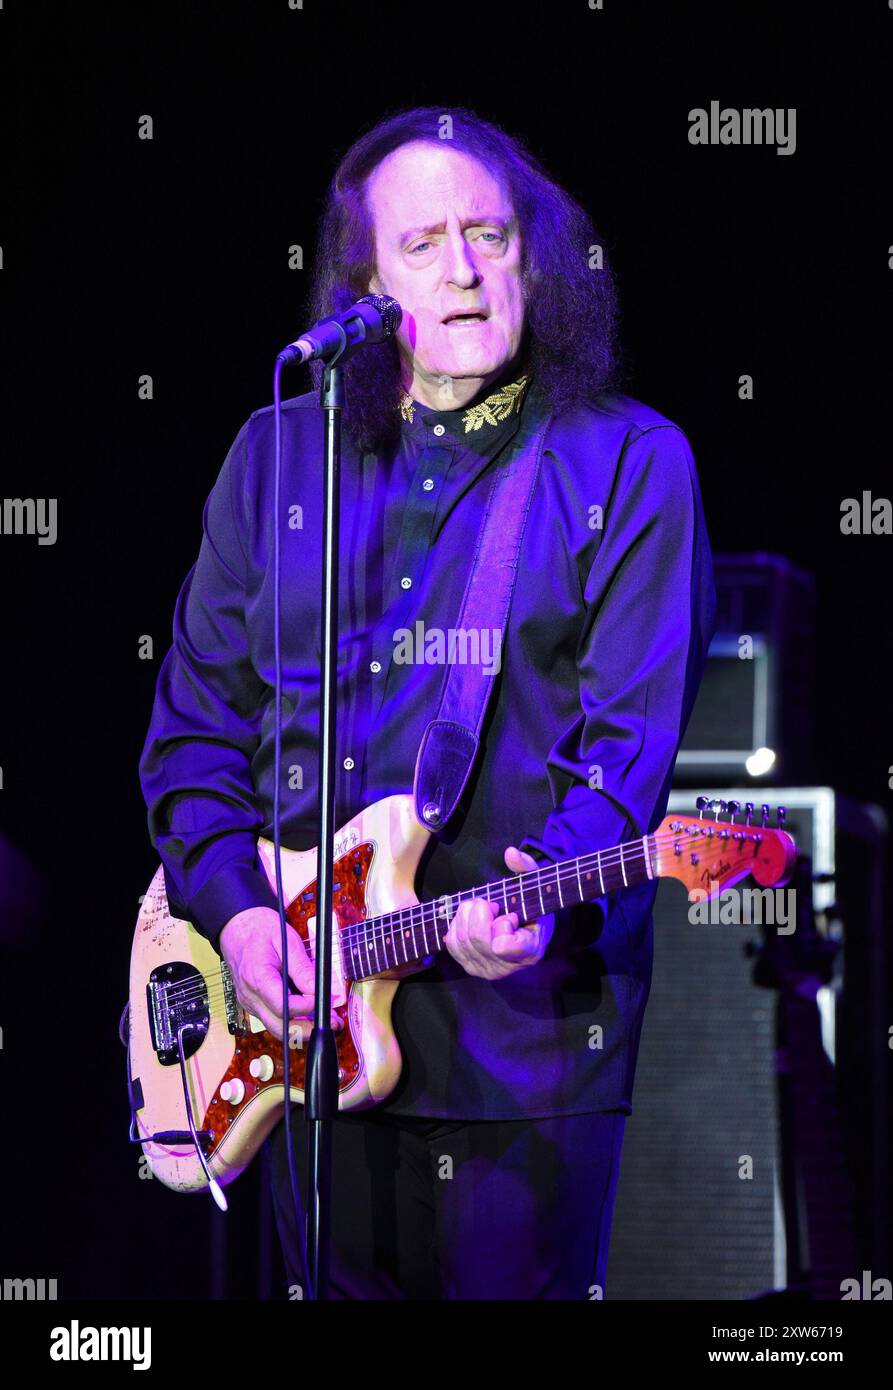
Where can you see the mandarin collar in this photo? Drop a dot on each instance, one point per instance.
(478, 424)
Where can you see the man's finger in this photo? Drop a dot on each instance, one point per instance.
(519, 859)
(471, 929)
(266, 1005)
(271, 1020)
(268, 984)
(517, 945)
(482, 914)
(300, 966)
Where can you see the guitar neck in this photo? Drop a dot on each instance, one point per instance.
(403, 938)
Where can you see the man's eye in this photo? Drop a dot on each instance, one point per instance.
(421, 246)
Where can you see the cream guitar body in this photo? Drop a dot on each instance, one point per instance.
(235, 1075)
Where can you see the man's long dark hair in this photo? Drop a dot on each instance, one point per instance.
(570, 309)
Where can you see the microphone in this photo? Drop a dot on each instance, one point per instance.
(372, 319)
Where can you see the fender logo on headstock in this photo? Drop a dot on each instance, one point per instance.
(708, 878)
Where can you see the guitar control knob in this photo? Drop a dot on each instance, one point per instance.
(261, 1068)
(233, 1091)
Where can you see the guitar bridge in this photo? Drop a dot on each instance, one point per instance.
(177, 994)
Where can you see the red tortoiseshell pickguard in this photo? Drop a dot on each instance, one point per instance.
(349, 904)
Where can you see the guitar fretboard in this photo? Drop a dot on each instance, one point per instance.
(406, 937)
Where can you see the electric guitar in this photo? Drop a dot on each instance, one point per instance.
(206, 1078)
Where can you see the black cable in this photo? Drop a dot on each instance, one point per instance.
(300, 1223)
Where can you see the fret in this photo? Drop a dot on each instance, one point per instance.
(427, 951)
(558, 883)
(523, 904)
(505, 901)
(375, 949)
(623, 868)
(364, 941)
(647, 857)
(579, 883)
(403, 936)
(601, 879)
(539, 884)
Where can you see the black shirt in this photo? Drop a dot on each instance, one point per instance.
(609, 626)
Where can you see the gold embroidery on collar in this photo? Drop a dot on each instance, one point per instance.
(497, 407)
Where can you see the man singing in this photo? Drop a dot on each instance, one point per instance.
(490, 1171)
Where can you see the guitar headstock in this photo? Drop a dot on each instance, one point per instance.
(708, 853)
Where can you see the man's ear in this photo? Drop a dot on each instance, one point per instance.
(375, 286)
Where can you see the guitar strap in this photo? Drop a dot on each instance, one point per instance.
(450, 742)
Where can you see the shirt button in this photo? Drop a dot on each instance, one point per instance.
(405, 582)
(439, 430)
(348, 763)
(375, 666)
(428, 484)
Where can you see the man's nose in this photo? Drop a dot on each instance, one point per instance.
(461, 267)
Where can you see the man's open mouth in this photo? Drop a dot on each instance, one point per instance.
(473, 316)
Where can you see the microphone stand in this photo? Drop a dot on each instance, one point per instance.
(371, 319)
(321, 1072)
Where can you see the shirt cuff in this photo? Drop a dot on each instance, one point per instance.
(230, 890)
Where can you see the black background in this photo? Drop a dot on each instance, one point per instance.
(170, 257)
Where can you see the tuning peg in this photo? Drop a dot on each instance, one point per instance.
(780, 816)
(733, 808)
(748, 812)
(702, 804)
(765, 814)
(718, 807)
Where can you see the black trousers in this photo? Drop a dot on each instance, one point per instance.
(438, 1209)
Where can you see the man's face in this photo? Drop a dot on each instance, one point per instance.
(447, 244)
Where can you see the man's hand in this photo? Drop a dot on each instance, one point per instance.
(493, 946)
(251, 946)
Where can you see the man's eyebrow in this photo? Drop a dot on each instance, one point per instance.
(479, 220)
